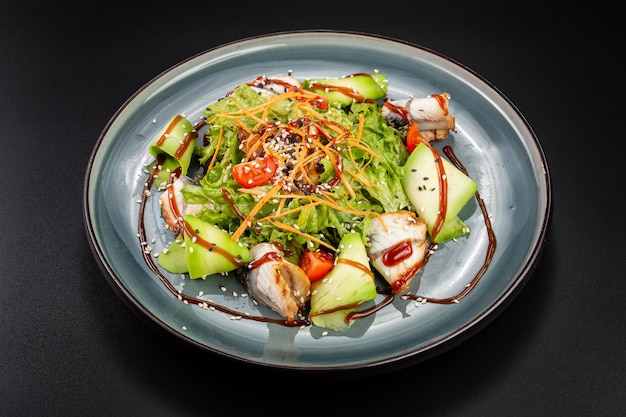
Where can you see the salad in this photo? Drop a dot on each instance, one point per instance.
(316, 194)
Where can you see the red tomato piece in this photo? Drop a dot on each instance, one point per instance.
(413, 137)
(317, 263)
(321, 102)
(256, 172)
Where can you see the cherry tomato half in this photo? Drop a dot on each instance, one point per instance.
(316, 263)
(321, 102)
(256, 172)
(413, 137)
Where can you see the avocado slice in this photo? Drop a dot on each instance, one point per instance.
(346, 90)
(421, 185)
(344, 288)
(203, 261)
(174, 259)
(171, 140)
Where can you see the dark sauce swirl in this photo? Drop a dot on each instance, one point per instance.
(389, 294)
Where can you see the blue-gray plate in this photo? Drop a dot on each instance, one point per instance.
(492, 139)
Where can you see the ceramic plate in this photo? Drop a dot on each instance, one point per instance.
(492, 139)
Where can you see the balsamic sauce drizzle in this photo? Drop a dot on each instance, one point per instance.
(303, 322)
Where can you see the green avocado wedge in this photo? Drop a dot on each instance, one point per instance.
(174, 259)
(222, 254)
(421, 185)
(346, 90)
(347, 286)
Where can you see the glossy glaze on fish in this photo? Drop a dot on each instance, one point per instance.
(275, 282)
(397, 247)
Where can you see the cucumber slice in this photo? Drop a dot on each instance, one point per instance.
(203, 261)
(381, 80)
(346, 90)
(167, 168)
(345, 287)
(174, 259)
(421, 184)
(176, 139)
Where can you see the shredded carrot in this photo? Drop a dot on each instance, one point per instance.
(334, 158)
(363, 180)
(332, 204)
(251, 115)
(359, 133)
(242, 125)
(248, 221)
(332, 125)
(288, 212)
(321, 138)
(308, 236)
(257, 143)
(217, 150)
(281, 205)
(324, 198)
(297, 131)
(304, 161)
(337, 128)
(345, 182)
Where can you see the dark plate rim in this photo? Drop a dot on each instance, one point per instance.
(392, 363)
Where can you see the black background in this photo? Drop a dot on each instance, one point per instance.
(69, 346)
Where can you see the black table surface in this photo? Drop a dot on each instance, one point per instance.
(69, 346)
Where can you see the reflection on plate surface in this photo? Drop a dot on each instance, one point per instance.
(492, 139)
